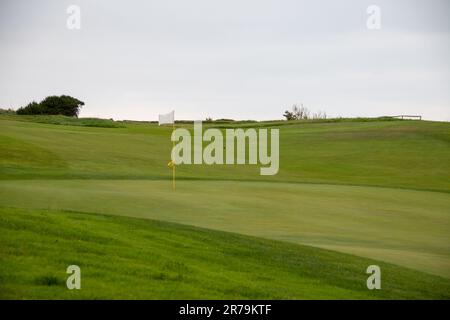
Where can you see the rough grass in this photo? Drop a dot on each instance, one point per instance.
(143, 259)
(65, 120)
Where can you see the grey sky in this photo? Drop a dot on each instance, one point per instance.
(228, 59)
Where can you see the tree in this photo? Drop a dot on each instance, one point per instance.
(54, 105)
(320, 115)
(300, 112)
(289, 115)
(297, 113)
(31, 108)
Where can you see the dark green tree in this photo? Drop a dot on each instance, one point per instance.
(54, 105)
(289, 115)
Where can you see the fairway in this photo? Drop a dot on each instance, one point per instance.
(373, 189)
(403, 154)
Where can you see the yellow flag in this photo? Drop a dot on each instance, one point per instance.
(170, 164)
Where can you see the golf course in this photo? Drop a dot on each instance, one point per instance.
(349, 193)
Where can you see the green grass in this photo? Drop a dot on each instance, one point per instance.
(143, 259)
(373, 188)
(404, 154)
(406, 227)
(65, 120)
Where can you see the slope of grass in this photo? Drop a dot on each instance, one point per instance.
(407, 227)
(406, 154)
(142, 259)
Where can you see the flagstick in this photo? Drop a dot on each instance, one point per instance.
(173, 164)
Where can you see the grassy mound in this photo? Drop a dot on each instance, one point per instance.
(143, 259)
(404, 154)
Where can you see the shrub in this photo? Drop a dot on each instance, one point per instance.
(53, 105)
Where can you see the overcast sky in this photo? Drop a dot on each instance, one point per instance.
(228, 59)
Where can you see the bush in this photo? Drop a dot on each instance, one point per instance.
(297, 113)
(303, 113)
(53, 105)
